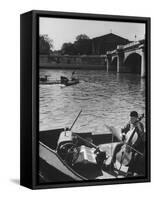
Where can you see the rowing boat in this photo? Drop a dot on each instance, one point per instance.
(69, 156)
(67, 82)
(71, 82)
(54, 82)
(50, 82)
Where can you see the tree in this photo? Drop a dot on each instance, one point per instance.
(82, 37)
(68, 48)
(45, 44)
(83, 44)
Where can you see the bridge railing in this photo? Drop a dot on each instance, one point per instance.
(120, 47)
(123, 47)
(111, 52)
(131, 44)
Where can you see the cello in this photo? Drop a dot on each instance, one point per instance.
(124, 156)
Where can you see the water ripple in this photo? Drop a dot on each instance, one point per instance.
(106, 98)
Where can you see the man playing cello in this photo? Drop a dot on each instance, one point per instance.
(136, 163)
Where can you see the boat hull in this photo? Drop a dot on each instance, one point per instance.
(71, 83)
(51, 165)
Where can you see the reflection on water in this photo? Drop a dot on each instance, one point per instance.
(105, 98)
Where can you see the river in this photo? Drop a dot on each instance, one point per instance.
(106, 98)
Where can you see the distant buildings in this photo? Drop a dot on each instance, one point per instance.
(95, 46)
(108, 42)
(88, 53)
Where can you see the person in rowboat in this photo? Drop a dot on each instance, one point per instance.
(136, 161)
(64, 80)
(73, 77)
(44, 78)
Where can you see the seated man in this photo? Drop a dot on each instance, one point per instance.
(137, 127)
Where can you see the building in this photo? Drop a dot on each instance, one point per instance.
(108, 42)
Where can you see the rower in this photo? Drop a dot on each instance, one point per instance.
(44, 78)
(73, 76)
(64, 79)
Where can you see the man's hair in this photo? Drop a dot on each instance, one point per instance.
(133, 114)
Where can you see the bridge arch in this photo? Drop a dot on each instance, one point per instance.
(132, 63)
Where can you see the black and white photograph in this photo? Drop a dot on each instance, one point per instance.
(92, 100)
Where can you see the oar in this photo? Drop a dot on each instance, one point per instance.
(81, 138)
(75, 119)
(92, 144)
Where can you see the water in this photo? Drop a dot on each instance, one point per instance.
(104, 97)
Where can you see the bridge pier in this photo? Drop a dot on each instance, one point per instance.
(108, 62)
(120, 63)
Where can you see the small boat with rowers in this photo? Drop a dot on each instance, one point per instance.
(63, 81)
(44, 80)
(65, 155)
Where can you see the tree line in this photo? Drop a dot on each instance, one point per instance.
(45, 45)
(81, 45)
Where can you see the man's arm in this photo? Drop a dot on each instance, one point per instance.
(140, 130)
(126, 128)
(124, 131)
(141, 135)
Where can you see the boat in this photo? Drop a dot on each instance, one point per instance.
(44, 78)
(65, 155)
(50, 82)
(68, 156)
(65, 81)
(72, 82)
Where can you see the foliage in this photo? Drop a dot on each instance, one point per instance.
(82, 45)
(45, 44)
(68, 48)
(82, 37)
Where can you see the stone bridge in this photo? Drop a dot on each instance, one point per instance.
(128, 58)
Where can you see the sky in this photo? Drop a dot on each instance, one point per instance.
(62, 30)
